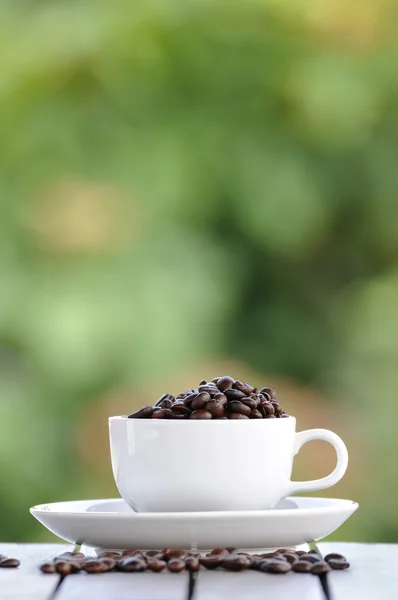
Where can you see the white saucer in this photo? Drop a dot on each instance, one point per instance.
(112, 524)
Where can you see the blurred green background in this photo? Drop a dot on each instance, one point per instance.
(189, 189)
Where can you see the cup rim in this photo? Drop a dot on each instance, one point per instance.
(126, 418)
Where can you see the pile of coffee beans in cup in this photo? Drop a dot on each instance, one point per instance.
(8, 563)
(221, 398)
(279, 562)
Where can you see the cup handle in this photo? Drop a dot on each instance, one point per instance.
(296, 487)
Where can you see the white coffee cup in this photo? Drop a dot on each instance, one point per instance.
(194, 465)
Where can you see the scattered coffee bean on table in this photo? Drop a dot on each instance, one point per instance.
(222, 398)
(279, 562)
(9, 563)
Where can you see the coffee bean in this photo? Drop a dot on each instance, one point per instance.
(152, 553)
(270, 417)
(238, 407)
(200, 414)
(211, 562)
(63, 567)
(301, 553)
(176, 565)
(231, 549)
(200, 401)
(233, 394)
(338, 564)
(192, 564)
(270, 391)
(219, 552)
(302, 566)
(290, 557)
(132, 564)
(235, 563)
(266, 408)
(334, 555)
(320, 567)
(109, 564)
(246, 388)
(221, 398)
(174, 554)
(236, 415)
(9, 563)
(211, 389)
(310, 558)
(169, 397)
(156, 565)
(167, 550)
(203, 382)
(225, 383)
(47, 568)
(93, 566)
(215, 408)
(133, 552)
(275, 566)
(189, 399)
(255, 414)
(180, 408)
(78, 555)
(250, 402)
(161, 413)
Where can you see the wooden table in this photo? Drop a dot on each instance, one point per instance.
(373, 575)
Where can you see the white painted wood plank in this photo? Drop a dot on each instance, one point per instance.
(27, 582)
(373, 573)
(252, 585)
(124, 586)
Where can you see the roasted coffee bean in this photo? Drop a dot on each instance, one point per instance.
(255, 414)
(180, 408)
(275, 566)
(78, 555)
(192, 564)
(219, 552)
(161, 413)
(63, 567)
(156, 565)
(176, 565)
(215, 408)
(238, 407)
(320, 567)
(270, 555)
(203, 382)
(250, 402)
(334, 555)
(47, 568)
(94, 566)
(266, 408)
(152, 553)
(221, 398)
(270, 417)
(211, 389)
(235, 563)
(133, 552)
(174, 554)
(215, 380)
(338, 564)
(225, 383)
(301, 553)
(231, 549)
(166, 403)
(236, 415)
(109, 563)
(211, 562)
(233, 394)
(9, 563)
(246, 388)
(302, 566)
(188, 399)
(132, 564)
(200, 414)
(200, 401)
(311, 558)
(165, 397)
(290, 557)
(270, 391)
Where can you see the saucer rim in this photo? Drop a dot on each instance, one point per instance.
(341, 504)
